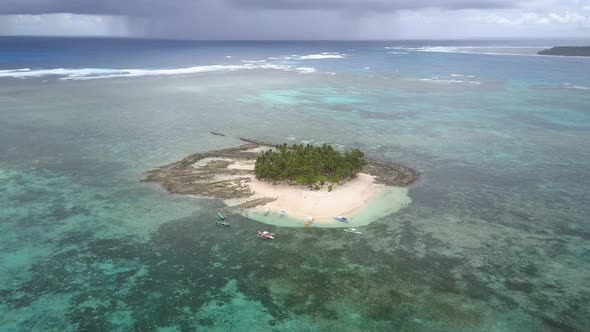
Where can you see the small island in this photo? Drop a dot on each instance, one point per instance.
(567, 51)
(307, 182)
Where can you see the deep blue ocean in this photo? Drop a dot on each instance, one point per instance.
(496, 237)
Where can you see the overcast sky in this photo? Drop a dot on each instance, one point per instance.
(298, 19)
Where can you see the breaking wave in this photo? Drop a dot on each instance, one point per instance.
(101, 73)
(455, 79)
(576, 87)
(305, 70)
(320, 56)
(488, 50)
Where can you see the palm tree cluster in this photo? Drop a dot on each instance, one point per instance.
(309, 164)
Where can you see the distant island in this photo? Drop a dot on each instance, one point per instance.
(260, 180)
(567, 51)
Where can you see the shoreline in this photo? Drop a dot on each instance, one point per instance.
(300, 202)
(383, 203)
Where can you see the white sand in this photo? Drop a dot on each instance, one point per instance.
(300, 202)
(203, 162)
(243, 165)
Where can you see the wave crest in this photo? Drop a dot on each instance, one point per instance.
(101, 73)
(320, 56)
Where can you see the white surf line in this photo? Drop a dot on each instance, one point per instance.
(101, 73)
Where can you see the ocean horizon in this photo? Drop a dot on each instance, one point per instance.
(496, 236)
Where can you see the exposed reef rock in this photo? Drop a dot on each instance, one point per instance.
(213, 179)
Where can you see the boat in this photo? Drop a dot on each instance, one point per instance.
(266, 212)
(352, 230)
(265, 235)
(222, 224)
(220, 216)
(283, 213)
(341, 219)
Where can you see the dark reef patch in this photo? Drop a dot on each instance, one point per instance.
(321, 275)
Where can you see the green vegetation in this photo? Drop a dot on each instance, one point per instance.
(309, 165)
(567, 51)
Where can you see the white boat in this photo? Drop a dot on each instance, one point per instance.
(352, 230)
(265, 235)
(341, 219)
(266, 212)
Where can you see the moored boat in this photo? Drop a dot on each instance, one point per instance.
(341, 219)
(222, 224)
(265, 235)
(352, 230)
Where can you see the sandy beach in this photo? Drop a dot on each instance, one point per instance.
(300, 202)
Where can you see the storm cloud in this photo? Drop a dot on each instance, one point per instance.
(158, 7)
(295, 19)
(93, 7)
(370, 5)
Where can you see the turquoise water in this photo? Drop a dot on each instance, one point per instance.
(496, 237)
(386, 202)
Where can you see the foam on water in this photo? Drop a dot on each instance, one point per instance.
(453, 80)
(482, 50)
(576, 87)
(253, 61)
(320, 56)
(102, 73)
(306, 70)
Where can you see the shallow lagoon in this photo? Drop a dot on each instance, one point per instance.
(496, 237)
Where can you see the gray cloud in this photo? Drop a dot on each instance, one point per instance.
(371, 5)
(151, 8)
(94, 7)
(292, 19)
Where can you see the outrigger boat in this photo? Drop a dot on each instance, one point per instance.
(352, 230)
(341, 219)
(265, 235)
(220, 216)
(222, 224)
